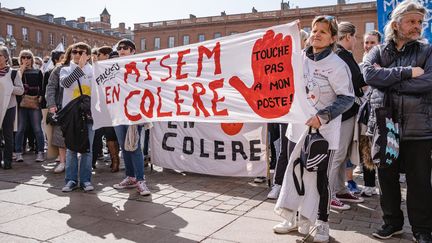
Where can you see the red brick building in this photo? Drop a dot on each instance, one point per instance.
(41, 34)
(164, 34)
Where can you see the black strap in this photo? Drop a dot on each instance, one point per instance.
(13, 76)
(300, 189)
(79, 86)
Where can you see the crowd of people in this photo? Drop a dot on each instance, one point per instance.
(346, 95)
(38, 96)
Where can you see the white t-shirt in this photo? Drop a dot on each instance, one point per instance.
(73, 91)
(325, 79)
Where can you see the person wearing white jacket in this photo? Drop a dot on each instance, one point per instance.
(330, 92)
(77, 69)
(7, 122)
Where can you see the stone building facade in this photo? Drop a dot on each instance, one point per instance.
(41, 34)
(164, 34)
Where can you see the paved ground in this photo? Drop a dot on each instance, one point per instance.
(184, 207)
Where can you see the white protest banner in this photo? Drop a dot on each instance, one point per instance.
(249, 77)
(6, 88)
(227, 149)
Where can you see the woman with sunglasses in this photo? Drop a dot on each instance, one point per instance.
(75, 78)
(329, 90)
(7, 75)
(33, 86)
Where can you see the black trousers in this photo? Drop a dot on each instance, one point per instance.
(415, 160)
(8, 136)
(369, 177)
(323, 188)
(273, 129)
(286, 150)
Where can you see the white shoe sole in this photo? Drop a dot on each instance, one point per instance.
(387, 237)
(284, 230)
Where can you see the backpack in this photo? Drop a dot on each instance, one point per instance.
(314, 152)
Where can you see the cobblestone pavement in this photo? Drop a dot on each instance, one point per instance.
(183, 207)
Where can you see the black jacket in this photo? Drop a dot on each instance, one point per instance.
(73, 119)
(411, 97)
(356, 78)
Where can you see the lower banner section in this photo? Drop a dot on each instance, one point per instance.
(227, 149)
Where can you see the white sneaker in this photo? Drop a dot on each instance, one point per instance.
(322, 233)
(274, 193)
(19, 157)
(128, 182)
(142, 188)
(260, 179)
(286, 226)
(40, 157)
(369, 191)
(304, 226)
(60, 168)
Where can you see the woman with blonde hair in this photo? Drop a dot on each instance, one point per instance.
(29, 110)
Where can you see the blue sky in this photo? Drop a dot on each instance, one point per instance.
(140, 11)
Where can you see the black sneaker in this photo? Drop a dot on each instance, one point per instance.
(387, 232)
(422, 237)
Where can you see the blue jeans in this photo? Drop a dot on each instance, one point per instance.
(134, 161)
(85, 169)
(34, 117)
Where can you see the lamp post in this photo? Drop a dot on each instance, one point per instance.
(9, 42)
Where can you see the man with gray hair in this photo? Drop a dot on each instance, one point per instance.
(401, 69)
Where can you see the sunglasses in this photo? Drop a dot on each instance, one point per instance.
(26, 57)
(122, 47)
(78, 52)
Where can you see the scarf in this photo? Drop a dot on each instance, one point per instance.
(4, 71)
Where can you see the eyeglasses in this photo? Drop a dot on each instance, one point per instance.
(122, 47)
(78, 52)
(26, 57)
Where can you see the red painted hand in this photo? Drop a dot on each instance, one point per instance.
(272, 92)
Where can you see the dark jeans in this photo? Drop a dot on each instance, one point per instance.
(97, 144)
(415, 156)
(273, 129)
(8, 136)
(146, 143)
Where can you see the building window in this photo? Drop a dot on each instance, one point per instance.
(201, 38)
(217, 35)
(9, 30)
(186, 40)
(25, 33)
(307, 29)
(369, 26)
(38, 36)
(157, 43)
(51, 39)
(143, 44)
(63, 40)
(171, 42)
